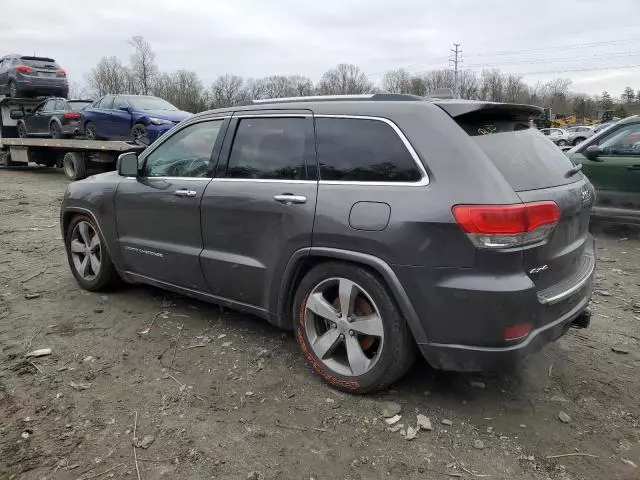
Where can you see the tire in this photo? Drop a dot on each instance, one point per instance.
(562, 143)
(22, 130)
(13, 89)
(90, 131)
(74, 166)
(55, 130)
(88, 256)
(379, 359)
(139, 134)
(578, 141)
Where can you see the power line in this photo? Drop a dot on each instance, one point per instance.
(556, 47)
(553, 60)
(615, 67)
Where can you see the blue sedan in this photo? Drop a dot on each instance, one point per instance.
(130, 117)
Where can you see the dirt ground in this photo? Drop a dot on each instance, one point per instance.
(223, 395)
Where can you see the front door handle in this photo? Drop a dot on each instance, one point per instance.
(289, 198)
(185, 193)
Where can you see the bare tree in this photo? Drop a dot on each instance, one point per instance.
(78, 91)
(228, 90)
(468, 84)
(515, 90)
(397, 81)
(345, 79)
(143, 64)
(108, 76)
(491, 86)
(183, 89)
(440, 79)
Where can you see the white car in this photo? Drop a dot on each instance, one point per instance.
(579, 133)
(557, 135)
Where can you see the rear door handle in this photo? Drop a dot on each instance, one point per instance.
(185, 193)
(289, 198)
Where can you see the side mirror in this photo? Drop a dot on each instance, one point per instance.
(592, 152)
(127, 164)
(16, 113)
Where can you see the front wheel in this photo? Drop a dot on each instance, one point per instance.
(139, 134)
(562, 143)
(350, 329)
(88, 257)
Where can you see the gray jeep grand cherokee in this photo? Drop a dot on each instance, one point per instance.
(373, 226)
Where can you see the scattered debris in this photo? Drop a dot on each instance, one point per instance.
(411, 433)
(571, 455)
(98, 310)
(25, 434)
(424, 423)
(478, 384)
(447, 422)
(395, 428)
(80, 386)
(394, 419)
(88, 358)
(34, 276)
(330, 400)
(153, 321)
(31, 296)
(135, 454)
(603, 293)
(478, 444)
(248, 394)
(390, 409)
(255, 476)
(145, 442)
(629, 462)
(39, 353)
(298, 427)
(563, 417)
(175, 348)
(620, 350)
(221, 336)
(227, 344)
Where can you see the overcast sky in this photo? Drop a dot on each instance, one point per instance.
(262, 37)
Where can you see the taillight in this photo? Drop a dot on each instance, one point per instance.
(62, 73)
(507, 226)
(23, 69)
(516, 332)
(72, 115)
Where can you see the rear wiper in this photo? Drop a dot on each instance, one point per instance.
(573, 171)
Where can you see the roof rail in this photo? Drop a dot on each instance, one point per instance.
(328, 98)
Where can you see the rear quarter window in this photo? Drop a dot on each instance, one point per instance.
(363, 150)
(524, 156)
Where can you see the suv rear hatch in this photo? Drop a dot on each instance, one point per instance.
(558, 259)
(41, 67)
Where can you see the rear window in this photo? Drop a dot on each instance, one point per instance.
(526, 159)
(39, 62)
(77, 106)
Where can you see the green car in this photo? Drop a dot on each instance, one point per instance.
(611, 161)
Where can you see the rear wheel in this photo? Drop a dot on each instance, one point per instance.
(90, 131)
(350, 330)
(55, 130)
(88, 258)
(577, 141)
(562, 143)
(74, 166)
(22, 130)
(13, 89)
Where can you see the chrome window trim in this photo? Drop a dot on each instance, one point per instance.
(173, 179)
(424, 180)
(314, 97)
(262, 180)
(275, 115)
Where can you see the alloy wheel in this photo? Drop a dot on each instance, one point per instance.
(86, 251)
(344, 326)
(90, 132)
(55, 130)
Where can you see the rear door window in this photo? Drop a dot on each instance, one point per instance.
(272, 148)
(363, 150)
(526, 159)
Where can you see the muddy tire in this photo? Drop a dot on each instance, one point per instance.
(362, 347)
(74, 166)
(88, 257)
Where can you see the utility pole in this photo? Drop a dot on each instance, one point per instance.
(454, 61)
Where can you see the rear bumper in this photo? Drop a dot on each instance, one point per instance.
(43, 87)
(464, 312)
(71, 128)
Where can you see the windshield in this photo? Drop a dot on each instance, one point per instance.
(77, 106)
(150, 103)
(526, 159)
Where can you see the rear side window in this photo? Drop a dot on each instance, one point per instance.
(271, 148)
(363, 150)
(526, 159)
(77, 106)
(106, 102)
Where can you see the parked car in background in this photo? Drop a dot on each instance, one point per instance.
(611, 160)
(55, 118)
(25, 76)
(557, 135)
(321, 216)
(601, 126)
(579, 133)
(130, 117)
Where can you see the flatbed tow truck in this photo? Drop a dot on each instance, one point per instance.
(79, 158)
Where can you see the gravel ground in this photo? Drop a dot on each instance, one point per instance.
(217, 394)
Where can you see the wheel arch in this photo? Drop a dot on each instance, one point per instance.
(69, 213)
(305, 259)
